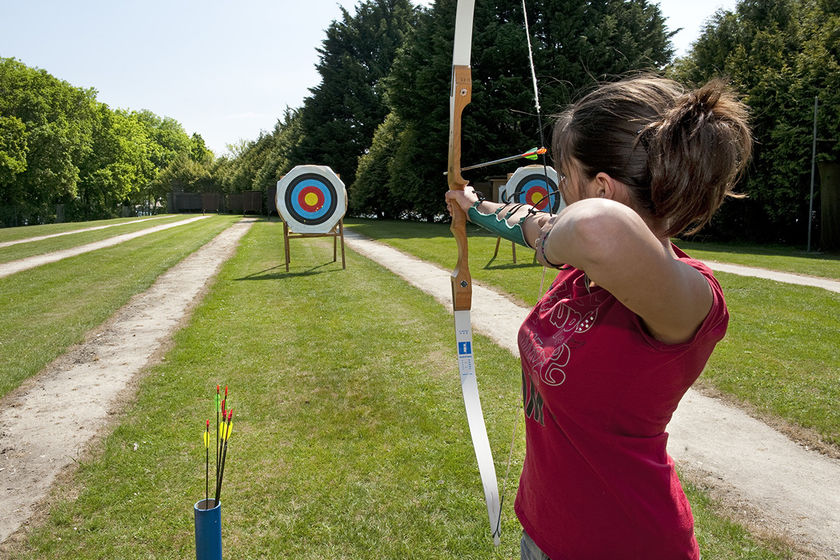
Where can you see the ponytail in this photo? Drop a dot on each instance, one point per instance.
(696, 154)
(679, 153)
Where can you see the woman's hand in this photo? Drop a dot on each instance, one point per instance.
(463, 198)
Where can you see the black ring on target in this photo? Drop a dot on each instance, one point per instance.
(539, 191)
(311, 199)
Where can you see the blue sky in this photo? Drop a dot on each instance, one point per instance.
(224, 69)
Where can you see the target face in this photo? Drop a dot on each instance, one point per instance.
(529, 185)
(311, 199)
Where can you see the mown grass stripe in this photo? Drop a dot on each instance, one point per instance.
(32, 262)
(46, 309)
(24, 232)
(74, 231)
(73, 239)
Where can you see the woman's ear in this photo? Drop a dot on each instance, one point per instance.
(606, 187)
(603, 186)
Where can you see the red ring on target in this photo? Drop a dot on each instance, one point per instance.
(534, 185)
(537, 197)
(311, 199)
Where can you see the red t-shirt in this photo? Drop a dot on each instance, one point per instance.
(598, 391)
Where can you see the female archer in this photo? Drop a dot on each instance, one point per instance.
(630, 321)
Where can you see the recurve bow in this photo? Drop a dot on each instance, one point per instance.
(459, 97)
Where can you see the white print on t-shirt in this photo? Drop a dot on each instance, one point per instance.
(567, 321)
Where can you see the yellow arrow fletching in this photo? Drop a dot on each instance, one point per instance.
(206, 439)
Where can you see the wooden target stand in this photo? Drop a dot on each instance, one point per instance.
(336, 232)
(312, 190)
(512, 249)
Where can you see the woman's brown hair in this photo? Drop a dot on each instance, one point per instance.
(680, 153)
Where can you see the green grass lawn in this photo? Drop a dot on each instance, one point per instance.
(349, 435)
(782, 351)
(23, 250)
(46, 309)
(24, 232)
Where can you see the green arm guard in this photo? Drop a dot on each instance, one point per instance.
(499, 226)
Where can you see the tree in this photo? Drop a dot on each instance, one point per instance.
(199, 152)
(58, 145)
(778, 55)
(341, 115)
(371, 194)
(277, 162)
(58, 120)
(576, 43)
(113, 171)
(13, 149)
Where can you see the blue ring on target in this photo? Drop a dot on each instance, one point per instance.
(314, 184)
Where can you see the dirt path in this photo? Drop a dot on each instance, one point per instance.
(19, 265)
(778, 486)
(787, 277)
(35, 444)
(94, 228)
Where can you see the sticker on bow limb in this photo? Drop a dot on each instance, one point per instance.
(529, 185)
(311, 199)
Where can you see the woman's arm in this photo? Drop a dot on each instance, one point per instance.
(620, 253)
(512, 213)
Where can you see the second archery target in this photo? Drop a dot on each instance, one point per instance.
(529, 185)
(311, 199)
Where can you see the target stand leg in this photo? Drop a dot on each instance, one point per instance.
(341, 233)
(513, 249)
(286, 243)
(496, 252)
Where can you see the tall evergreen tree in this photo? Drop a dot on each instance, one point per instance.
(371, 192)
(277, 162)
(341, 115)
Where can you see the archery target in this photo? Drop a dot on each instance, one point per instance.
(311, 199)
(529, 185)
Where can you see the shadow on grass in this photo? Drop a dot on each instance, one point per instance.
(509, 265)
(268, 275)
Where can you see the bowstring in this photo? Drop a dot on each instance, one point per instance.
(539, 121)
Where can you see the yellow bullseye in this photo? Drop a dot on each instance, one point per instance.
(311, 199)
